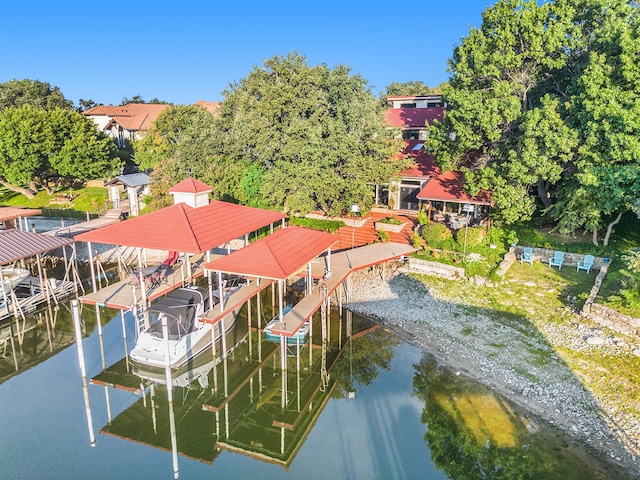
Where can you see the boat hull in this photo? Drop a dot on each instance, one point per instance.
(12, 277)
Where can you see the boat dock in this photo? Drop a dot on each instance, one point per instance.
(342, 265)
(32, 302)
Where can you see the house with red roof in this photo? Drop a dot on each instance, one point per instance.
(125, 122)
(424, 185)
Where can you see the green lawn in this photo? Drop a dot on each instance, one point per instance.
(86, 199)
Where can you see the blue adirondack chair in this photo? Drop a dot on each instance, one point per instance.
(527, 255)
(556, 260)
(586, 263)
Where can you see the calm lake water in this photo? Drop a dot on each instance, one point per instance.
(385, 411)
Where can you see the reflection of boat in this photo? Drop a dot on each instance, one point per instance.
(12, 278)
(187, 336)
(300, 336)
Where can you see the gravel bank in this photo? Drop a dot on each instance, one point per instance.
(513, 357)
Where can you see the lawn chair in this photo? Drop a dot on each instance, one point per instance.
(556, 260)
(171, 259)
(586, 263)
(527, 255)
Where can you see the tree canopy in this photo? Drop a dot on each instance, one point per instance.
(542, 98)
(312, 136)
(37, 146)
(34, 93)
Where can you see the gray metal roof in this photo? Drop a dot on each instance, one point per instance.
(16, 244)
(131, 180)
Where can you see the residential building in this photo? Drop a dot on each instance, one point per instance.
(125, 122)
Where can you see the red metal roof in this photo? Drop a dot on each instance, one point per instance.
(413, 117)
(11, 213)
(17, 244)
(190, 185)
(185, 229)
(424, 163)
(276, 256)
(449, 187)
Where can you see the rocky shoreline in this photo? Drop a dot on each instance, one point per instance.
(506, 356)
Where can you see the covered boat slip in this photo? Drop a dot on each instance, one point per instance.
(126, 294)
(15, 247)
(342, 264)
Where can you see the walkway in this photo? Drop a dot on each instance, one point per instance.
(342, 264)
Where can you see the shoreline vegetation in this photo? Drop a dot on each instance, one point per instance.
(537, 352)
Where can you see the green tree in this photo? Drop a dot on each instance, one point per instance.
(37, 146)
(139, 99)
(543, 100)
(605, 111)
(34, 93)
(504, 126)
(315, 136)
(172, 130)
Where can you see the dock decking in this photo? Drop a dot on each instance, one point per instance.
(342, 264)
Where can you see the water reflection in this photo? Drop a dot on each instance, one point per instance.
(237, 403)
(475, 433)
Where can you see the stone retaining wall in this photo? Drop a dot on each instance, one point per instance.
(606, 316)
(425, 267)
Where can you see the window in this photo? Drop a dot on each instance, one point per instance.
(408, 105)
(411, 134)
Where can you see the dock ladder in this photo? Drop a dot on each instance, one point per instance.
(324, 319)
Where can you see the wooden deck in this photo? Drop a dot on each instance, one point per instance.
(342, 264)
(235, 301)
(125, 294)
(78, 228)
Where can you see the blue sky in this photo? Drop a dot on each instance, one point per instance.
(185, 51)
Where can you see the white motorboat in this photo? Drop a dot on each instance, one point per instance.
(186, 334)
(12, 277)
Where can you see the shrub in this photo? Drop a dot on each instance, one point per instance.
(416, 240)
(423, 217)
(317, 223)
(474, 236)
(383, 236)
(435, 232)
(390, 220)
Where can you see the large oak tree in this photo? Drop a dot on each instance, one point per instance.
(542, 99)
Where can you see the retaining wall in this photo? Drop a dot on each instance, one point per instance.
(425, 267)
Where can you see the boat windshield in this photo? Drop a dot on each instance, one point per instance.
(180, 308)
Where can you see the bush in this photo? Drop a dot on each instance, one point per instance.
(383, 236)
(435, 232)
(317, 223)
(390, 220)
(474, 236)
(423, 217)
